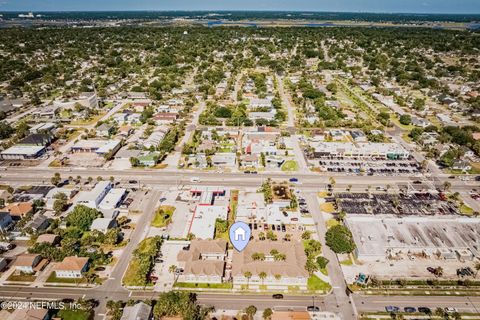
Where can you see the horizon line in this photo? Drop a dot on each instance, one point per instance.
(244, 10)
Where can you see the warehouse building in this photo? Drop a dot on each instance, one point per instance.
(381, 239)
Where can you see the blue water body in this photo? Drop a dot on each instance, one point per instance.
(219, 23)
(474, 26)
(326, 24)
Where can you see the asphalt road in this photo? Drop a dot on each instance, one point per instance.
(236, 301)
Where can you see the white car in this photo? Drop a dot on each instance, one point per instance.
(451, 310)
(194, 179)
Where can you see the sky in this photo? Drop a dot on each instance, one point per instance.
(407, 6)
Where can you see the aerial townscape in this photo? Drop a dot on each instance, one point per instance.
(239, 165)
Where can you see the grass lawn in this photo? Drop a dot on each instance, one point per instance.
(163, 216)
(327, 207)
(466, 210)
(324, 271)
(22, 277)
(87, 122)
(331, 223)
(53, 278)
(316, 284)
(290, 165)
(404, 127)
(227, 285)
(55, 164)
(75, 315)
(348, 262)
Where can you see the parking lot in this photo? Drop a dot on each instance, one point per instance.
(370, 166)
(418, 203)
(407, 269)
(166, 258)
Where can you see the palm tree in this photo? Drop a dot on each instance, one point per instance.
(247, 275)
(278, 276)
(439, 312)
(250, 311)
(439, 271)
(172, 268)
(446, 185)
(262, 275)
(332, 181)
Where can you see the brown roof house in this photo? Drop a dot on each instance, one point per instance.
(25, 314)
(18, 209)
(282, 263)
(47, 238)
(203, 262)
(71, 267)
(27, 263)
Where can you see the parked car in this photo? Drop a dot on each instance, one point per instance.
(277, 296)
(293, 180)
(409, 309)
(424, 310)
(313, 308)
(451, 310)
(392, 309)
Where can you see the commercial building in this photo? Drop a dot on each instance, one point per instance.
(224, 159)
(390, 151)
(36, 139)
(113, 199)
(251, 208)
(100, 147)
(203, 220)
(93, 198)
(22, 152)
(396, 238)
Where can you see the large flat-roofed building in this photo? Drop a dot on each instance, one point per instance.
(22, 152)
(202, 224)
(280, 274)
(97, 146)
(113, 199)
(251, 208)
(396, 238)
(93, 198)
(367, 150)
